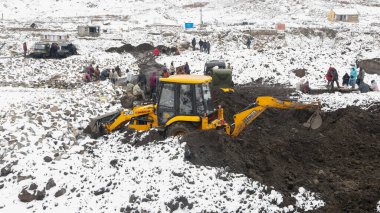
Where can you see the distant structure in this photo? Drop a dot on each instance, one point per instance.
(54, 37)
(343, 14)
(93, 31)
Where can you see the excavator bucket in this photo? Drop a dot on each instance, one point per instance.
(315, 121)
(95, 127)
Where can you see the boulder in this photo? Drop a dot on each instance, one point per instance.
(25, 196)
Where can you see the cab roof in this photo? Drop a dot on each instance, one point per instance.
(187, 79)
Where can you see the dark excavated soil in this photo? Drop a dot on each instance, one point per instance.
(340, 161)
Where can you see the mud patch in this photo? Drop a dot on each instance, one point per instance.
(340, 161)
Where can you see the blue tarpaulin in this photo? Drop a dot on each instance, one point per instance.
(189, 25)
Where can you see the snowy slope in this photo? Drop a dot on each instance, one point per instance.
(40, 122)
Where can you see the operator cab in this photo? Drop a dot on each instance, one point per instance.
(221, 75)
(184, 95)
(210, 65)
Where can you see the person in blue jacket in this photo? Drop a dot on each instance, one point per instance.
(353, 76)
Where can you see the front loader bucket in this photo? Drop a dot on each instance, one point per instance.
(315, 121)
(95, 128)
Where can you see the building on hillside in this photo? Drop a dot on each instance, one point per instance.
(343, 14)
(89, 31)
(54, 37)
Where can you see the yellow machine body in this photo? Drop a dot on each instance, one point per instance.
(143, 118)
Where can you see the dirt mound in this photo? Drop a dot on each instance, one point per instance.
(125, 48)
(340, 161)
(144, 47)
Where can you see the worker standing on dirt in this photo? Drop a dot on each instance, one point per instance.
(129, 76)
(193, 43)
(153, 84)
(335, 78)
(186, 68)
(96, 73)
(165, 73)
(114, 76)
(90, 70)
(25, 48)
(353, 76)
(118, 70)
(360, 76)
(104, 74)
(138, 92)
(156, 52)
(141, 79)
(200, 45)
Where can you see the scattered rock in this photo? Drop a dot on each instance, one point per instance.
(299, 72)
(50, 184)
(25, 196)
(54, 109)
(113, 162)
(33, 186)
(40, 195)
(1, 186)
(60, 192)
(178, 174)
(6, 170)
(101, 191)
(179, 202)
(21, 178)
(133, 198)
(47, 159)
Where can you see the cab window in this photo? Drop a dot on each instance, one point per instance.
(166, 107)
(185, 100)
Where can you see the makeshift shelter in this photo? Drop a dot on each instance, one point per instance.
(89, 31)
(54, 37)
(344, 15)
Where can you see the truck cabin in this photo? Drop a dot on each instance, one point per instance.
(213, 64)
(184, 95)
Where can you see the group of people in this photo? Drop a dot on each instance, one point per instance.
(94, 74)
(204, 46)
(352, 79)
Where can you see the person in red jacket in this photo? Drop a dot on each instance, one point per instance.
(156, 52)
(329, 76)
(153, 85)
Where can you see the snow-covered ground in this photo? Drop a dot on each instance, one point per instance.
(47, 122)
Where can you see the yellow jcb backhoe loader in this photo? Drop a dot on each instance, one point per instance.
(184, 105)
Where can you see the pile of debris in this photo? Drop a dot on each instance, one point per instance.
(339, 161)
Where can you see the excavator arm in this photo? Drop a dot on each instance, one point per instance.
(250, 113)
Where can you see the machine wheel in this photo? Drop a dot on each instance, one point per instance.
(179, 129)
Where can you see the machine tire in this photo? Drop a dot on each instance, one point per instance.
(179, 129)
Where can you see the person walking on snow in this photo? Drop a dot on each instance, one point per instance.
(193, 43)
(208, 47)
(248, 43)
(25, 48)
(334, 74)
(201, 45)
